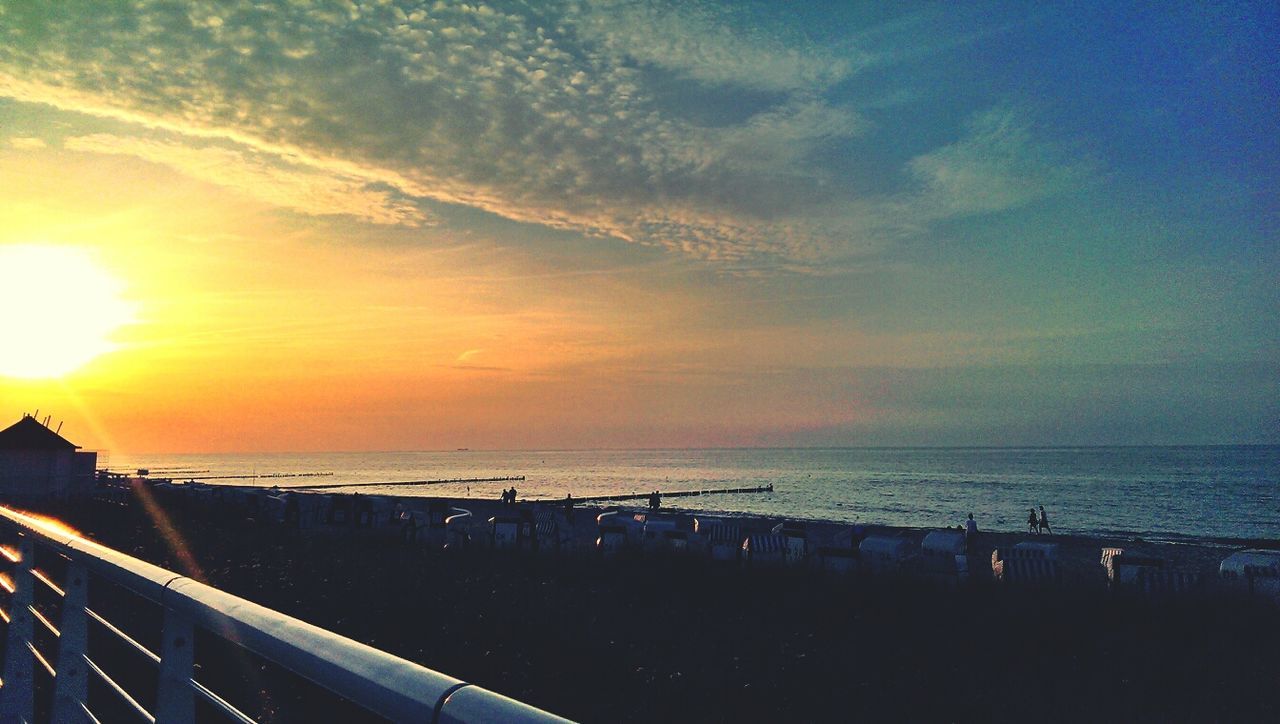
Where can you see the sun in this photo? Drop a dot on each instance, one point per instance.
(58, 310)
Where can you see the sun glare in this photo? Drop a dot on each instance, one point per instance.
(58, 310)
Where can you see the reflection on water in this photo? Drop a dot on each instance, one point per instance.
(1170, 491)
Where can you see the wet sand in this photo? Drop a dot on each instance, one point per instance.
(653, 637)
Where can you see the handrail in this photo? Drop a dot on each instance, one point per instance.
(375, 680)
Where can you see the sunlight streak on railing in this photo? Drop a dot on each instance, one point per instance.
(360, 675)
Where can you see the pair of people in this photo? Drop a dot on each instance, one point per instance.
(509, 496)
(655, 500)
(1040, 524)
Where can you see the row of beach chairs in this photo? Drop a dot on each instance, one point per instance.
(940, 557)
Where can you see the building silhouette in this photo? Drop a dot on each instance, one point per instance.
(37, 463)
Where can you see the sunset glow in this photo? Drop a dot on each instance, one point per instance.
(402, 226)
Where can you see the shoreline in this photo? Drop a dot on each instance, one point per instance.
(487, 502)
(1081, 551)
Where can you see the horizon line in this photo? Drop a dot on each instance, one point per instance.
(703, 449)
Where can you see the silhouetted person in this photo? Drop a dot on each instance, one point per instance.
(1033, 523)
(568, 507)
(970, 532)
(506, 496)
(513, 495)
(657, 500)
(1044, 521)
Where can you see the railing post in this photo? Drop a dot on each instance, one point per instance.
(71, 686)
(176, 701)
(17, 698)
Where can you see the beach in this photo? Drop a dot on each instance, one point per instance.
(645, 636)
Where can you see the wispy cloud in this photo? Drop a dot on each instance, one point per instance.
(264, 177)
(997, 166)
(26, 142)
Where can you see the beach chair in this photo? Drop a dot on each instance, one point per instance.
(547, 532)
(611, 538)
(338, 512)
(943, 557)
(882, 555)
(1253, 572)
(1130, 571)
(1163, 582)
(702, 525)
(311, 510)
(677, 541)
(796, 537)
(837, 560)
(504, 532)
(766, 549)
(725, 542)
(457, 529)
(653, 533)
(1108, 563)
(1029, 564)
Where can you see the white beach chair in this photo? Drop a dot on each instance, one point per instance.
(1254, 572)
(884, 554)
(725, 542)
(764, 549)
(1028, 563)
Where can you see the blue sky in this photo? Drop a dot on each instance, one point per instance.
(870, 224)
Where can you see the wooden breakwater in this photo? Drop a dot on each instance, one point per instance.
(263, 476)
(671, 494)
(406, 483)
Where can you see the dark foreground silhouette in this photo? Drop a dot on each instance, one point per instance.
(656, 639)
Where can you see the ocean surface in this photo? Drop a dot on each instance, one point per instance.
(1169, 493)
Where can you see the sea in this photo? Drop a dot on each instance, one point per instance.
(1161, 493)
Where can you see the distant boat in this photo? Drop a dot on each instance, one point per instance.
(464, 449)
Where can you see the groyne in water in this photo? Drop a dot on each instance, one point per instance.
(670, 494)
(408, 483)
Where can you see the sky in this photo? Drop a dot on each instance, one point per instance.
(394, 225)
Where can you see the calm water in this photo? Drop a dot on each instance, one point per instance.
(1170, 492)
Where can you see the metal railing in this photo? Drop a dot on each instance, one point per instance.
(57, 645)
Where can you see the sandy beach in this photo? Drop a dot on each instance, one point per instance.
(642, 637)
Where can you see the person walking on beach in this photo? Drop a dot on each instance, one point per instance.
(513, 495)
(568, 508)
(1044, 521)
(970, 532)
(1033, 523)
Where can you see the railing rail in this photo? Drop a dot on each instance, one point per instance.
(371, 679)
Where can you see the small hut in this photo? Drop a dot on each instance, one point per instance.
(37, 463)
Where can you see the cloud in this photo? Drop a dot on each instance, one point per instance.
(468, 355)
(713, 44)
(550, 116)
(296, 187)
(997, 166)
(24, 143)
